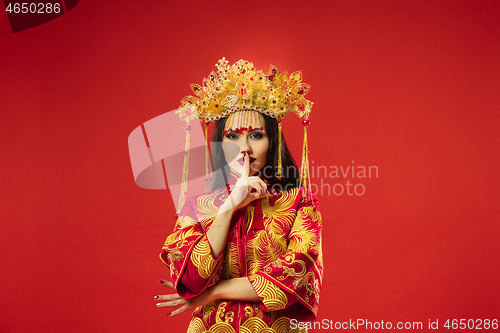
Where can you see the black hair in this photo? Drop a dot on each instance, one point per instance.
(290, 172)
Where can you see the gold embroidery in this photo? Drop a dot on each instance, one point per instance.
(229, 317)
(258, 310)
(196, 326)
(303, 237)
(249, 219)
(254, 325)
(220, 312)
(174, 243)
(221, 328)
(207, 311)
(206, 207)
(287, 232)
(310, 287)
(231, 265)
(282, 325)
(257, 325)
(177, 239)
(185, 221)
(251, 325)
(281, 211)
(202, 258)
(272, 296)
(289, 271)
(254, 311)
(248, 311)
(271, 243)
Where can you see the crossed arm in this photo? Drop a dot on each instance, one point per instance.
(235, 289)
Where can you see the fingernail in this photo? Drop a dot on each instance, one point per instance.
(155, 297)
(169, 314)
(158, 304)
(244, 153)
(161, 281)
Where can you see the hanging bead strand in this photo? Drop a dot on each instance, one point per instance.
(185, 169)
(208, 167)
(305, 178)
(279, 175)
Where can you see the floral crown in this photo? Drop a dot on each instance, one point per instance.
(241, 87)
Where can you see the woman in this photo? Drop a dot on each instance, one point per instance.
(247, 256)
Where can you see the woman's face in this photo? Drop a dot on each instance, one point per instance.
(255, 142)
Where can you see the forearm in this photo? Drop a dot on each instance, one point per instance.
(217, 234)
(237, 289)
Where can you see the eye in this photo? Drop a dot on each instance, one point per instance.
(232, 136)
(256, 135)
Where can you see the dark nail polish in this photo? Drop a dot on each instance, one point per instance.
(155, 297)
(161, 281)
(169, 314)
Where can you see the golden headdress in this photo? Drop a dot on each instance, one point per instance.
(242, 87)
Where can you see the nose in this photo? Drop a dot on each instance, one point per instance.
(244, 146)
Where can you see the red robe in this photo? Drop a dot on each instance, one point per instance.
(275, 242)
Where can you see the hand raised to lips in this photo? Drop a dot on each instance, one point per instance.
(241, 160)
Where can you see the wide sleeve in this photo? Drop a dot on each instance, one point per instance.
(188, 254)
(298, 272)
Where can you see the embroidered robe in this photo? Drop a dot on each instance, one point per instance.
(275, 242)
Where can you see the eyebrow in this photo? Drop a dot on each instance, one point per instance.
(248, 131)
(256, 130)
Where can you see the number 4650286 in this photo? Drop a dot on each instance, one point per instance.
(471, 324)
(33, 8)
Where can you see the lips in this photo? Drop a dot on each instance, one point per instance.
(241, 160)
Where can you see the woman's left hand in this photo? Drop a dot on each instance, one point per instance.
(175, 300)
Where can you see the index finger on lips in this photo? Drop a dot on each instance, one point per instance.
(246, 158)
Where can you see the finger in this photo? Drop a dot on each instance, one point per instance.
(170, 297)
(167, 284)
(258, 179)
(246, 158)
(176, 302)
(257, 184)
(179, 310)
(262, 184)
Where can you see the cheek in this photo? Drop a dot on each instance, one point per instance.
(262, 148)
(230, 150)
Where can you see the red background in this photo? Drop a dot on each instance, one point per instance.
(409, 86)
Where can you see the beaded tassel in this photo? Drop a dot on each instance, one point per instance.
(279, 174)
(305, 178)
(243, 121)
(185, 169)
(208, 165)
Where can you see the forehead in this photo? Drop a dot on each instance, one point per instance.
(245, 120)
